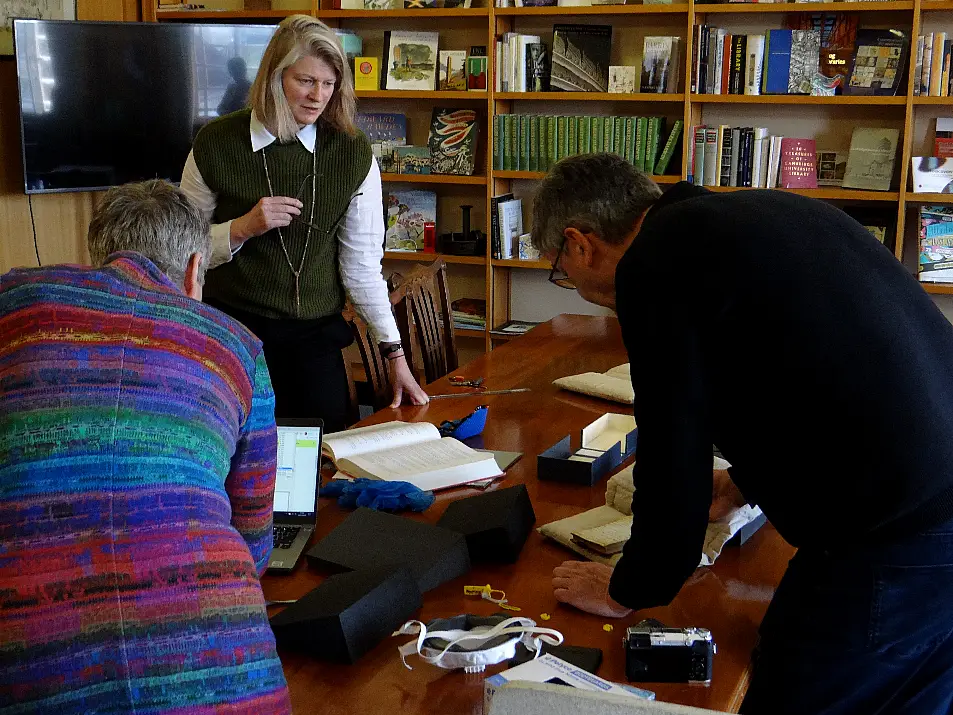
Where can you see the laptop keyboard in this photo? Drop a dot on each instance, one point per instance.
(285, 535)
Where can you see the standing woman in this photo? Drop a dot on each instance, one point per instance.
(294, 196)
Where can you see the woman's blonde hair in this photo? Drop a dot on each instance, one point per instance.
(302, 36)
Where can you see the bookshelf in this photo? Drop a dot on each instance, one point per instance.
(464, 27)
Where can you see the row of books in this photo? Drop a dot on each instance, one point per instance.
(534, 142)
(469, 313)
(751, 157)
(817, 60)
(507, 239)
(931, 73)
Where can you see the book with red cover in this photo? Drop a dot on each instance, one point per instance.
(798, 164)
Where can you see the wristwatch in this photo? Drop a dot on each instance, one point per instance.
(390, 349)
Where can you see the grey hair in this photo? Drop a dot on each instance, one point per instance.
(601, 194)
(153, 218)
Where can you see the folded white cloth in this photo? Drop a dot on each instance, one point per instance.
(619, 491)
(614, 384)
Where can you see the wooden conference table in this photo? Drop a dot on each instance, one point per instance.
(730, 598)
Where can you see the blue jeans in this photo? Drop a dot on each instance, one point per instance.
(863, 631)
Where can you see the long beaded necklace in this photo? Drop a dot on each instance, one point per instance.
(307, 240)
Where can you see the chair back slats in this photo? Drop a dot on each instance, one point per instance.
(428, 294)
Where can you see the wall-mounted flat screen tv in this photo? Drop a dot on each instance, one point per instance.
(104, 103)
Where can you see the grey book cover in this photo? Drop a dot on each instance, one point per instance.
(805, 60)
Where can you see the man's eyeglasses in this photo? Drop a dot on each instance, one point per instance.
(557, 276)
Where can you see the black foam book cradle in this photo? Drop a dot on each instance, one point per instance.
(349, 613)
(495, 524)
(370, 539)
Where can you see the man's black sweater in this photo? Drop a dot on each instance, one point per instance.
(777, 328)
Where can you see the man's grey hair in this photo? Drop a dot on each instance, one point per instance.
(153, 218)
(601, 194)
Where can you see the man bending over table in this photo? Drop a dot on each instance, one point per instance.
(779, 329)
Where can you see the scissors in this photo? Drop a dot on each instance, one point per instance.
(461, 381)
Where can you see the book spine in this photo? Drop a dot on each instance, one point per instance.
(711, 148)
(724, 176)
(699, 170)
(543, 143)
(696, 35)
(918, 67)
(669, 151)
(494, 228)
(720, 61)
(738, 62)
(552, 156)
(755, 64)
(534, 143)
(945, 79)
(690, 150)
(766, 54)
(765, 159)
(756, 158)
(927, 64)
(598, 131)
(572, 126)
(712, 60)
(748, 154)
(630, 141)
(703, 60)
(939, 39)
(618, 136)
(735, 156)
(497, 134)
(563, 132)
(522, 160)
(657, 145)
(607, 135)
(585, 135)
(641, 135)
(512, 142)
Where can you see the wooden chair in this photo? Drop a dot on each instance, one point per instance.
(428, 320)
(375, 365)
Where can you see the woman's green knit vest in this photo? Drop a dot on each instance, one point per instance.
(258, 279)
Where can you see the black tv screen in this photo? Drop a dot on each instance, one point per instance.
(105, 103)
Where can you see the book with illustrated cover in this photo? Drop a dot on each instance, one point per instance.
(838, 32)
(453, 141)
(453, 70)
(580, 58)
(622, 79)
(411, 60)
(879, 63)
(660, 64)
(367, 73)
(410, 452)
(871, 159)
(932, 175)
(805, 58)
(511, 226)
(413, 160)
(405, 216)
(537, 67)
(831, 166)
(798, 164)
(936, 244)
(385, 131)
(943, 137)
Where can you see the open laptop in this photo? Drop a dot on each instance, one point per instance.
(296, 490)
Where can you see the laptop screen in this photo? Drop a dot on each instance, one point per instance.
(299, 451)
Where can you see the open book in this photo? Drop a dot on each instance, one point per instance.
(607, 538)
(408, 452)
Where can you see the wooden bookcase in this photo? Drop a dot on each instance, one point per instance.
(461, 28)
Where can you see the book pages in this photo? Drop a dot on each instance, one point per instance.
(377, 437)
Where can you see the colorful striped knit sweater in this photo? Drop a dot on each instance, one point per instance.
(137, 467)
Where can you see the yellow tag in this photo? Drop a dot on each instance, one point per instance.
(544, 616)
(476, 590)
(508, 608)
(607, 628)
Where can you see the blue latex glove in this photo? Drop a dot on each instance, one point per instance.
(378, 495)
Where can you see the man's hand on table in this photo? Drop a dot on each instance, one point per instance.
(585, 585)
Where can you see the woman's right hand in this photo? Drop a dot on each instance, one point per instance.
(270, 212)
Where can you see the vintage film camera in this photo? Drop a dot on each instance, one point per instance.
(656, 654)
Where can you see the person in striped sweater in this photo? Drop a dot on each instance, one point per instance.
(137, 469)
